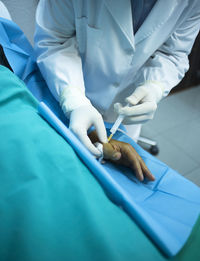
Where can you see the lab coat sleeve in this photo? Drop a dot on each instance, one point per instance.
(57, 52)
(168, 65)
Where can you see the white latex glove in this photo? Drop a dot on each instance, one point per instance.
(82, 115)
(142, 104)
(81, 119)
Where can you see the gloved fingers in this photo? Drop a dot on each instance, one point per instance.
(137, 96)
(86, 141)
(83, 137)
(88, 144)
(117, 107)
(139, 113)
(138, 119)
(100, 129)
(144, 108)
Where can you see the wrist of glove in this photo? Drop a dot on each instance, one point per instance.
(72, 98)
(142, 104)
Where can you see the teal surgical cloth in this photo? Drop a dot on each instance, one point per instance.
(169, 241)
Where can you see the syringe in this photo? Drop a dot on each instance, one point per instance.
(116, 126)
(117, 123)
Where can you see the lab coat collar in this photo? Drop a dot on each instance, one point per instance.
(122, 14)
(159, 14)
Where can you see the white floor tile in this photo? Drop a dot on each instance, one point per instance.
(175, 157)
(173, 111)
(187, 137)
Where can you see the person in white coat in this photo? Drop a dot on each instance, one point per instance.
(98, 56)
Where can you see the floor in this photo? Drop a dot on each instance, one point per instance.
(176, 128)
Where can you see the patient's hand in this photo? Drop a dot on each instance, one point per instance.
(124, 154)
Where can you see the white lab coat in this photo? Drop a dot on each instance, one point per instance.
(4, 12)
(90, 45)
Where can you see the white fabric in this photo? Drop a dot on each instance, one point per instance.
(133, 131)
(142, 104)
(90, 45)
(4, 12)
(81, 119)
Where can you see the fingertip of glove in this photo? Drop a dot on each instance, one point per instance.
(99, 148)
(117, 108)
(96, 153)
(131, 100)
(117, 105)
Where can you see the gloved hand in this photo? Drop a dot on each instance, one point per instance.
(142, 104)
(82, 115)
(81, 119)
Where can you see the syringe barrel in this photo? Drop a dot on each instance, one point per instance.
(117, 123)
